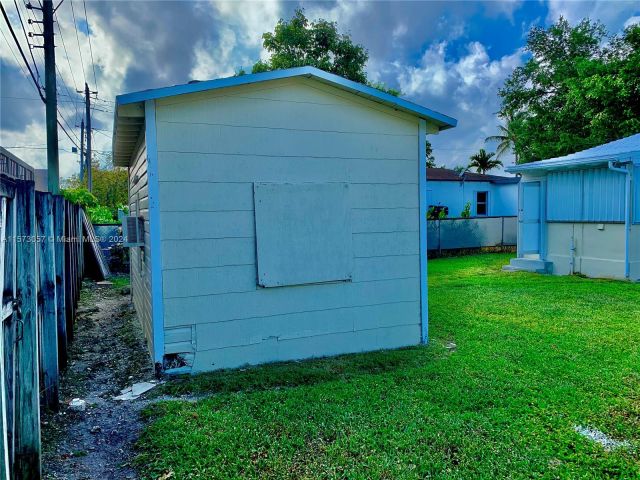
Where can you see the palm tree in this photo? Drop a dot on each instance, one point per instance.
(506, 139)
(484, 161)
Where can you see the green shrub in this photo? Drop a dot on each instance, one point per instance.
(466, 212)
(80, 196)
(100, 214)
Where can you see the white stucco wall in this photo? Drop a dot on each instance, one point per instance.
(212, 147)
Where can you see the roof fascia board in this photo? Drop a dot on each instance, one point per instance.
(582, 162)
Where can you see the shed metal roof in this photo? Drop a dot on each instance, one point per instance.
(447, 175)
(625, 149)
(127, 127)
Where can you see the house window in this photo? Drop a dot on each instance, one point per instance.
(482, 203)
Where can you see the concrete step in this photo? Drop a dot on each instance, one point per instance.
(528, 265)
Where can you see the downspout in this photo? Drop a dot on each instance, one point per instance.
(614, 166)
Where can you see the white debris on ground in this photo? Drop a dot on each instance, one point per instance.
(451, 346)
(78, 405)
(135, 390)
(597, 436)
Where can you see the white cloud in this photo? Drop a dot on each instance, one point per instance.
(465, 88)
(612, 14)
(632, 21)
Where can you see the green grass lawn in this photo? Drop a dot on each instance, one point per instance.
(535, 356)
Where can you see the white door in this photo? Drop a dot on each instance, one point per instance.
(529, 217)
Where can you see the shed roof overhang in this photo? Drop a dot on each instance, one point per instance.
(625, 150)
(129, 111)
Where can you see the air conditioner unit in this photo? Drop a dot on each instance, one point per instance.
(133, 231)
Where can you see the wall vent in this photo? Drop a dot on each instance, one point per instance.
(133, 231)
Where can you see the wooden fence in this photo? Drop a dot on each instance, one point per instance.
(41, 271)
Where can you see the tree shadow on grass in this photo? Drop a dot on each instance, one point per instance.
(297, 373)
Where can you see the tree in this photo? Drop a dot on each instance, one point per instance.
(483, 161)
(431, 160)
(299, 42)
(506, 140)
(578, 89)
(110, 185)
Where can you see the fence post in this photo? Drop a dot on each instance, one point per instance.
(47, 299)
(27, 398)
(58, 231)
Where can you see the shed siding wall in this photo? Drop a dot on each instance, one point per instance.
(212, 147)
(140, 257)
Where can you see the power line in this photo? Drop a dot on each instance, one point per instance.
(24, 30)
(35, 81)
(78, 40)
(93, 64)
(66, 54)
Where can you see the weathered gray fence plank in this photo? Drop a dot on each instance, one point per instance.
(9, 324)
(47, 299)
(69, 276)
(27, 404)
(61, 311)
(4, 447)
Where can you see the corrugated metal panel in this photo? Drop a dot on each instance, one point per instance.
(564, 196)
(589, 195)
(636, 194)
(603, 195)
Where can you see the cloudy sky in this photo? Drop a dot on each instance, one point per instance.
(449, 56)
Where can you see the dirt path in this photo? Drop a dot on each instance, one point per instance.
(107, 354)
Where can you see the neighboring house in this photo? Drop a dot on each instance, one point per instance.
(488, 195)
(581, 213)
(284, 217)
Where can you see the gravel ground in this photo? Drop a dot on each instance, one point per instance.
(107, 355)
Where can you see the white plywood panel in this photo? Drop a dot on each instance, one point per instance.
(300, 325)
(385, 220)
(386, 268)
(199, 138)
(274, 301)
(285, 103)
(303, 233)
(310, 347)
(198, 225)
(208, 252)
(205, 197)
(384, 196)
(205, 167)
(384, 244)
(190, 282)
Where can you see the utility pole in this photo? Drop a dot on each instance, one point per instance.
(87, 100)
(53, 169)
(82, 150)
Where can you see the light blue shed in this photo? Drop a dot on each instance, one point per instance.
(581, 213)
(276, 216)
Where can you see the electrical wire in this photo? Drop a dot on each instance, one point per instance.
(66, 54)
(35, 81)
(24, 30)
(93, 64)
(78, 40)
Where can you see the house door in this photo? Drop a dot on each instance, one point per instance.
(529, 217)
